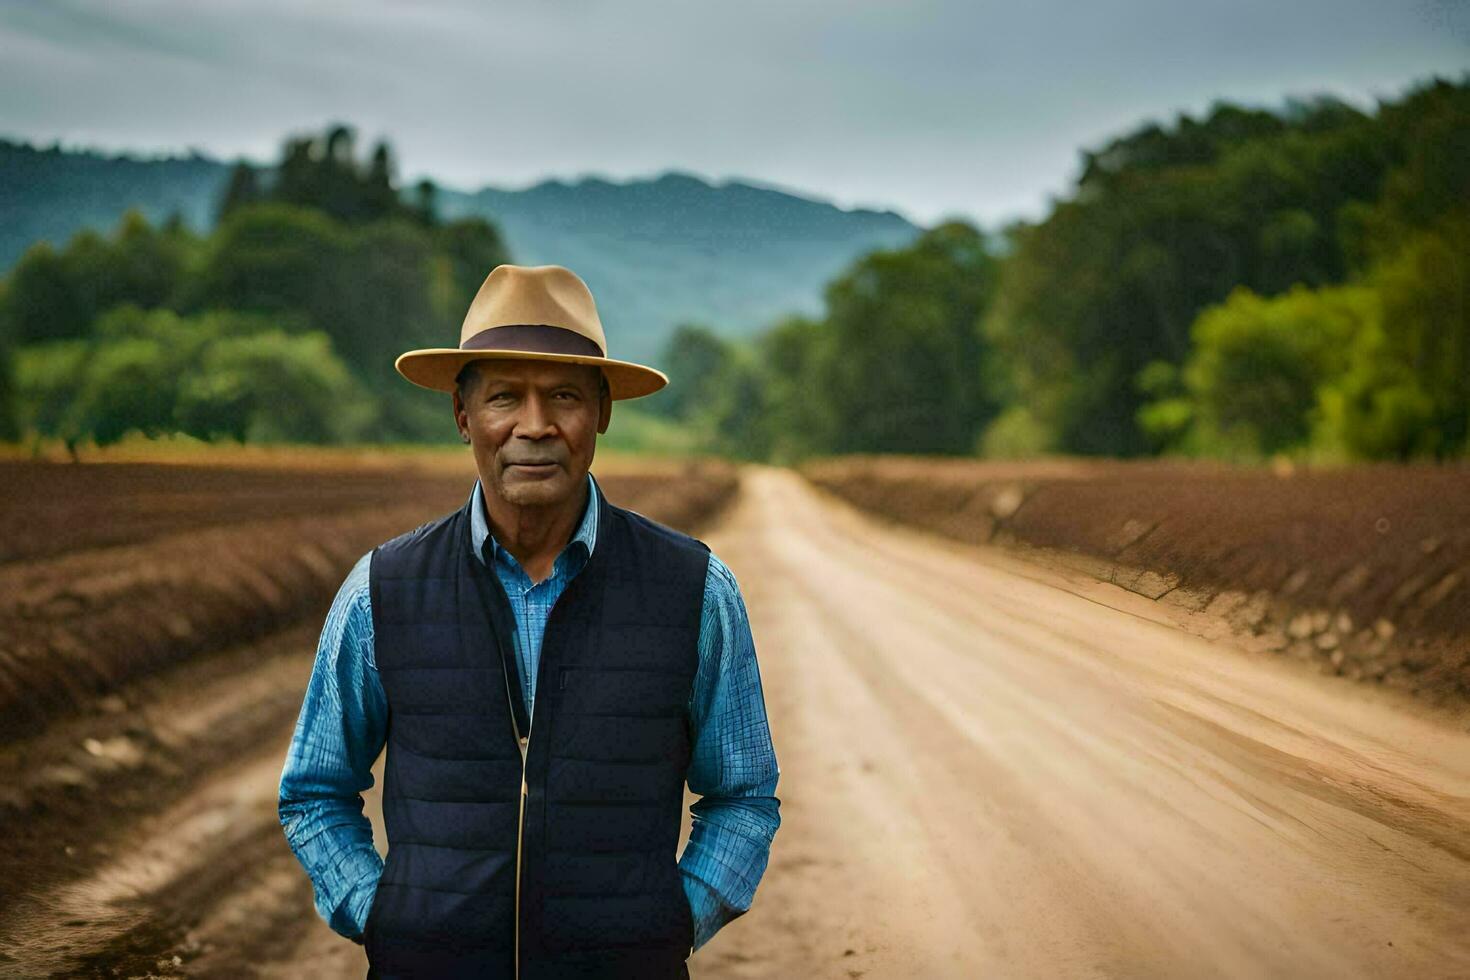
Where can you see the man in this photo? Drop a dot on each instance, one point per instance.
(546, 670)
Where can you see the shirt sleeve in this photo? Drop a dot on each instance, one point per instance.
(339, 734)
(733, 767)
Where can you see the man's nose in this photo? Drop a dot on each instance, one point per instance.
(535, 420)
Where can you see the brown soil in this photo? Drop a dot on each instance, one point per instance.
(212, 556)
(49, 509)
(1364, 570)
(988, 768)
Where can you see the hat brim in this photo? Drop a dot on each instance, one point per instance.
(437, 367)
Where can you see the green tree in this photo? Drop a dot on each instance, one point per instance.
(39, 302)
(909, 363)
(271, 258)
(9, 414)
(1253, 377)
(273, 387)
(1167, 221)
(217, 374)
(472, 248)
(1407, 388)
(378, 186)
(242, 189)
(697, 359)
(131, 374)
(51, 295)
(739, 409)
(1424, 143)
(426, 201)
(48, 379)
(1377, 409)
(796, 354)
(321, 171)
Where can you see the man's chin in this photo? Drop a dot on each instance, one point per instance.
(533, 491)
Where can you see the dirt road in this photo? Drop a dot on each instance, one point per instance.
(988, 769)
(986, 775)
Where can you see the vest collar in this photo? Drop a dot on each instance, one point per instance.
(485, 546)
(596, 534)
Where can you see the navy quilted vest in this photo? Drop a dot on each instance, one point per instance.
(578, 876)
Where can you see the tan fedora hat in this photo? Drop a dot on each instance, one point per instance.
(540, 313)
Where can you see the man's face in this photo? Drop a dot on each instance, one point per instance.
(533, 427)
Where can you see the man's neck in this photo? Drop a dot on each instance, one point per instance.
(535, 535)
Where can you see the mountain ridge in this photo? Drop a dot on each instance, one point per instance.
(656, 251)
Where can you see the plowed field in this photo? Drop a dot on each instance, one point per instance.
(158, 627)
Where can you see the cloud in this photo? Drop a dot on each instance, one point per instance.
(929, 107)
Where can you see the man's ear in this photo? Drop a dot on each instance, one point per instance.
(604, 413)
(458, 408)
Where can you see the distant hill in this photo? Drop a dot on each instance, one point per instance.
(656, 252)
(48, 193)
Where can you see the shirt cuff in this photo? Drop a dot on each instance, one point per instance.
(351, 916)
(709, 912)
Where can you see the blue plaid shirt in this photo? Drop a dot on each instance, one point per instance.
(343, 727)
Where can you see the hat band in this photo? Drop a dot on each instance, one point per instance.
(537, 338)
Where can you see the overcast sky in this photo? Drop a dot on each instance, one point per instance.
(930, 107)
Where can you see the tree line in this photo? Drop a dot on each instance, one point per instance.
(1241, 285)
(280, 325)
(1247, 283)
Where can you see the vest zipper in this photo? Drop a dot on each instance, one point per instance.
(520, 833)
(523, 741)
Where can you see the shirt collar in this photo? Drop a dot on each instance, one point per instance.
(586, 534)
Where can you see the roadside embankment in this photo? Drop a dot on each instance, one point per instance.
(1363, 571)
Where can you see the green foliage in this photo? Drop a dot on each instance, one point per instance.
(1377, 369)
(375, 289)
(217, 374)
(129, 377)
(383, 306)
(694, 359)
(243, 189)
(282, 325)
(52, 295)
(800, 417)
(321, 172)
(470, 247)
(1406, 390)
(271, 258)
(48, 378)
(1243, 284)
(896, 364)
(9, 413)
(1167, 419)
(1425, 291)
(1167, 222)
(739, 409)
(715, 393)
(907, 364)
(1258, 363)
(1377, 409)
(1014, 434)
(1426, 141)
(273, 387)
